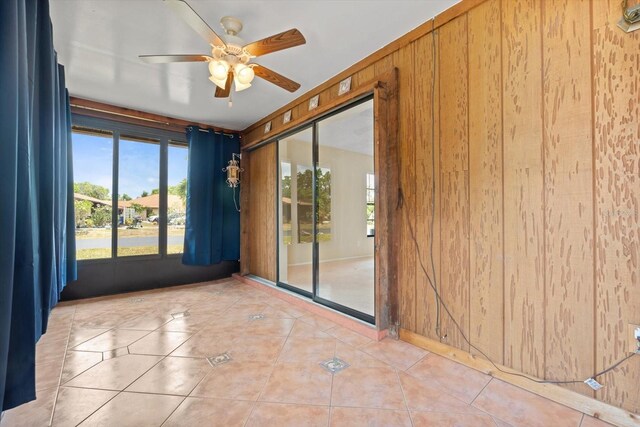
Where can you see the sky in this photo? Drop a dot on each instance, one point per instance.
(139, 163)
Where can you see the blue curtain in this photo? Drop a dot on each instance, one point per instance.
(37, 247)
(213, 224)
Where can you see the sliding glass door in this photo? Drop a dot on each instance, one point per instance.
(326, 204)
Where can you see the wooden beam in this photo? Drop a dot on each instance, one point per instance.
(579, 402)
(91, 108)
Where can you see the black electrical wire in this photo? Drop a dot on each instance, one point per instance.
(432, 281)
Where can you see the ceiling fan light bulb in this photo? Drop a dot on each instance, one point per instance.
(241, 86)
(245, 75)
(221, 83)
(218, 69)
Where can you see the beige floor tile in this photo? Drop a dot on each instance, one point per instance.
(442, 419)
(398, 354)
(274, 414)
(350, 417)
(367, 388)
(348, 336)
(77, 362)
(192, 323)
(269, 326)
(319, 322)
(147, 321)
(298, 383)
(257, 348)
(519, 407)
(115, 374)
(588, 421)
(456, 379)
(159, 343)
(235, 380)
(48, 375)
(36, 413)
(80, 335)
(210, 413)
(76, 404)
(424, 395)
(173, 375)
(307, 350)
(303, 329)
(134, 410)
(204, 344)
(357, 358)
(111, 340)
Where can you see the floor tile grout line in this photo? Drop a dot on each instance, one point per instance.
(184, 398)
(480, 392)
(64, 358)
(418, 361)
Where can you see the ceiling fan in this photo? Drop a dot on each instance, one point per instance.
(229, 62)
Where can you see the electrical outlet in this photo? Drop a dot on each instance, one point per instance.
(634, 338)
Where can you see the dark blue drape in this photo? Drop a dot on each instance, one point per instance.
(37, 247)
(213, 223)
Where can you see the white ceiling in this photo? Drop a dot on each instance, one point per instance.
(98, 41)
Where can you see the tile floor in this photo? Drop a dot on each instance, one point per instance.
(227, 354)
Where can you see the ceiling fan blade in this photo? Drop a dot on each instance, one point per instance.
(276, 42)
(275, 78)
(194, 20)
(163, 59)
(223, 93)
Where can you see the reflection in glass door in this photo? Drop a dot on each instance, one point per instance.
(295, 242)
(326, 211)
(345, 204)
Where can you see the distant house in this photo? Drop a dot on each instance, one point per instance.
(152, 204)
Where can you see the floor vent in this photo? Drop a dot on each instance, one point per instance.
(219, 359)
(180, 314)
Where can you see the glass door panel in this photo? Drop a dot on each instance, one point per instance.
(295, 211)
(344, 201)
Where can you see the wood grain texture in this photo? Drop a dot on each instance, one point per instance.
(523, 186)
(403, 60)
(426, 177)
(276, 78)
(454, 179)
(568, 178)
(617, 207)
(262, 223)
(280, 41)
(485, 181)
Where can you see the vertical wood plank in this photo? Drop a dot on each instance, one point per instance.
(426, 177)
(568, 174)
(523, 186)
(485, 181)
(262, 199)
(245, 215)
(454, 157)
(617, 194)
(403, 60)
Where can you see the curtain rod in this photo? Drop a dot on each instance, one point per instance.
(215, 131)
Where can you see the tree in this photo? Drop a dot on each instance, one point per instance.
(101, 216)
(137, 207)
(91, 190)
(125, 197)
(155, 191)
(82, 210)
(180, 189)
(144, 194)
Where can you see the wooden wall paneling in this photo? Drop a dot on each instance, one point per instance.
(262, 199)
(454, 158)
(616, 65)
(385, 65)
(568, 182)
(523, 186)
(362, 76)
(403, 60)
(486, 250)
(424, 80)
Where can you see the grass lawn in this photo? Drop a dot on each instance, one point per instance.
(140, 250)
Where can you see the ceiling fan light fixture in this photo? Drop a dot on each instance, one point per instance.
(221, 83)
(244, 74)
(239, 85)
(219, 69)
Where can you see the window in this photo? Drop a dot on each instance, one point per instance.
(138, 196)
(124, 215)
(304, 204)
(285, 191)
(371, 197)
(92, 171)
(178, 161)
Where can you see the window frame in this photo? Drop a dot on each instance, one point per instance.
(164, 137)
(368, 203)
